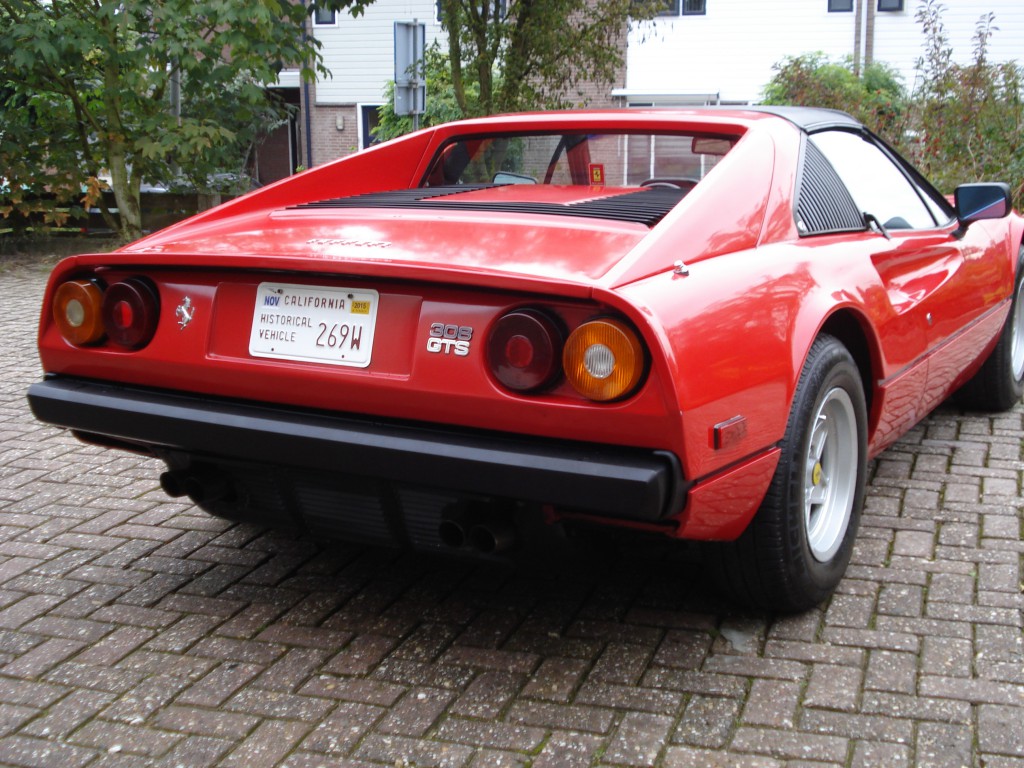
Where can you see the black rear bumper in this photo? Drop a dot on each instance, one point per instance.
(609, 481)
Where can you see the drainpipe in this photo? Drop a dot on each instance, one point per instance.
(307, 118)
(869, 35)
(857, 10)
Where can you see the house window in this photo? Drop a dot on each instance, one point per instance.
(669, 8)
(840, 6)
(324, 18)
(369, 118)
(890, 5)
(681, 7)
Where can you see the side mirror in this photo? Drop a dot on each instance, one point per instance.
(975, 202)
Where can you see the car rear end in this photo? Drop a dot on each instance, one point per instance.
(357, 406)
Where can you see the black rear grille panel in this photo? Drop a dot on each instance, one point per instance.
(646, 205)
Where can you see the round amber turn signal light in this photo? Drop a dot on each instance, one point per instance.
(603, 359)
(77, 312)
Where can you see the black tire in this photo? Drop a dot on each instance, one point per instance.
(999, 384)
(797, 547)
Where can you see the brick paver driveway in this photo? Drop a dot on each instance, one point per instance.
(135, 630)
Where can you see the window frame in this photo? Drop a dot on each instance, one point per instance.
(317, 22)
(684, 12)
(931, 200)
(890, 6)
(559, 153)
(840, 6)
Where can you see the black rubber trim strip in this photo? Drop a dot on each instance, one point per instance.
(615, 481)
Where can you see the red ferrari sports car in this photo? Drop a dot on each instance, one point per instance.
(701, 323)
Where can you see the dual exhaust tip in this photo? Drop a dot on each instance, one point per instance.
(477, 527)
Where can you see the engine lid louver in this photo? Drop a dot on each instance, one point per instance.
(645, 206)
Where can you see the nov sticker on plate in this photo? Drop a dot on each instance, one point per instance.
(314, 324)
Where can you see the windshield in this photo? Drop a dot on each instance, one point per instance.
(674, 160)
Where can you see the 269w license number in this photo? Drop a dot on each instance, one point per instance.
(340, 336)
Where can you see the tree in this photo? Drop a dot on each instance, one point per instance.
(876, 97)
(510, 55)
(89, 87)
(967, 120)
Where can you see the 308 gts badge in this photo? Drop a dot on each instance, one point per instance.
(449, 339)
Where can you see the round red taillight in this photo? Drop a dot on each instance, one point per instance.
(524, 350)
(77, 311)
(131, 309)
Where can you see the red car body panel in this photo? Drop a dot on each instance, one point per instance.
(724, 292)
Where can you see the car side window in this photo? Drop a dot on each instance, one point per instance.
(877, 185)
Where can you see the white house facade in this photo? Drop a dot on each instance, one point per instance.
(697, 52)
(723, 51)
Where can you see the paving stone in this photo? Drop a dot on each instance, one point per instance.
(38, 753)
(556, 679)
(568, 750)
(833, 687)
(772, 703)
(490, 734)
(687, 757)
(1000, 730)
(708, 721)
(947, 657)
(853, 725)
(119, 737)
(559, 717)
(203, 722)
(397, 751)
(790, 745)
(488, 695)
(416, 713)
(891, 671)
(942, 744)
(639, 739)
(267, 746)
(14, 717)
(873, 754)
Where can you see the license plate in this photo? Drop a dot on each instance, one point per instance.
(314, 324)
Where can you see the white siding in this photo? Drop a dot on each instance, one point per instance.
(730, 51)
(899, 40)
(360, 52)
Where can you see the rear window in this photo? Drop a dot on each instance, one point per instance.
(605, 159)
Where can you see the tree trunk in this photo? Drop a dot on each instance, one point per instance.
(126, 193)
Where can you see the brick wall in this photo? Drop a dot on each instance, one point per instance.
(599, 95)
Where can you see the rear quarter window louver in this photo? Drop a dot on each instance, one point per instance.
(823, 203)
